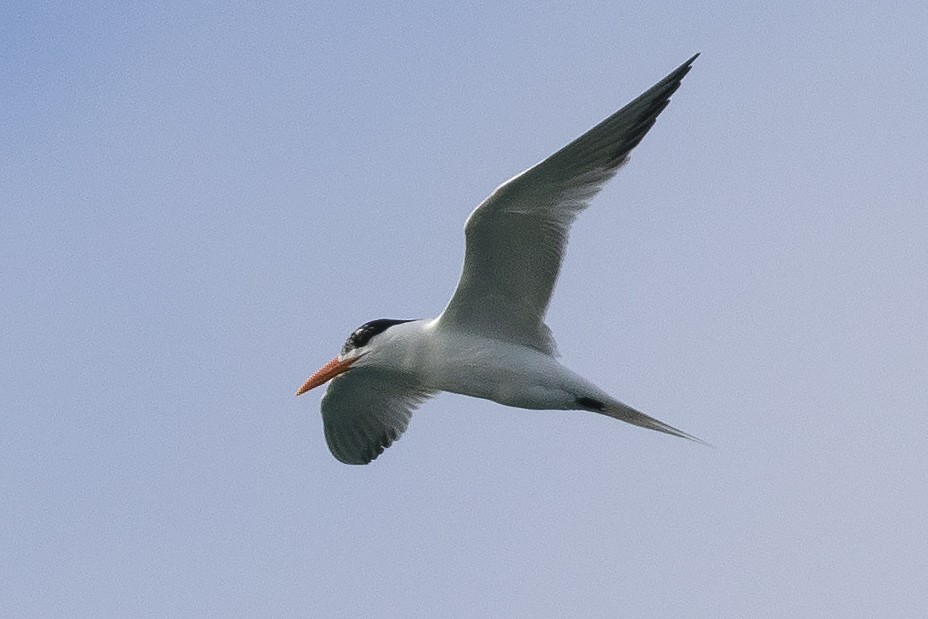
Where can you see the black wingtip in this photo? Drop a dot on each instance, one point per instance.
(690, 61)
(680, 72)
(667, 86)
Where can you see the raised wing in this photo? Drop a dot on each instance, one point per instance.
(365, 410)
(516, 237)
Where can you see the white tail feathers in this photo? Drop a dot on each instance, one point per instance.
(620, 411)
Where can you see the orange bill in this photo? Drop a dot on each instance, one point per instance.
(326, 373)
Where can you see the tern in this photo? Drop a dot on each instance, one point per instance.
(491, 340)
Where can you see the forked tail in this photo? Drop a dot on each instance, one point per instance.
(622, 412)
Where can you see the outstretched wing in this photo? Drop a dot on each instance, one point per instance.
(364, 410)
(516, 237)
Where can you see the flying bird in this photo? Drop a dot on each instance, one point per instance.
(491, 340)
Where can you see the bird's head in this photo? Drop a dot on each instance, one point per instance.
(361, 342)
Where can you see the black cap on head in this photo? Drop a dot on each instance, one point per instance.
(363, 334)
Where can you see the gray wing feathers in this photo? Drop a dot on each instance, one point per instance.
(365, 410)
(516, 237)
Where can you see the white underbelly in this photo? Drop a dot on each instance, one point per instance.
(502, 372)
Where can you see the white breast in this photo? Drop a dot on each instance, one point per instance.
(468, 364)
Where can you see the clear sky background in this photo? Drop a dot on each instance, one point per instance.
(200, 201)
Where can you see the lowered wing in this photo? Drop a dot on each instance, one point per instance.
(365, 410)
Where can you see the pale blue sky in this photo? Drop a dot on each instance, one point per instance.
(198, 202)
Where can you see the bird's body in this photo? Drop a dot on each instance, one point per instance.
(491, 341)
(444, 359)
